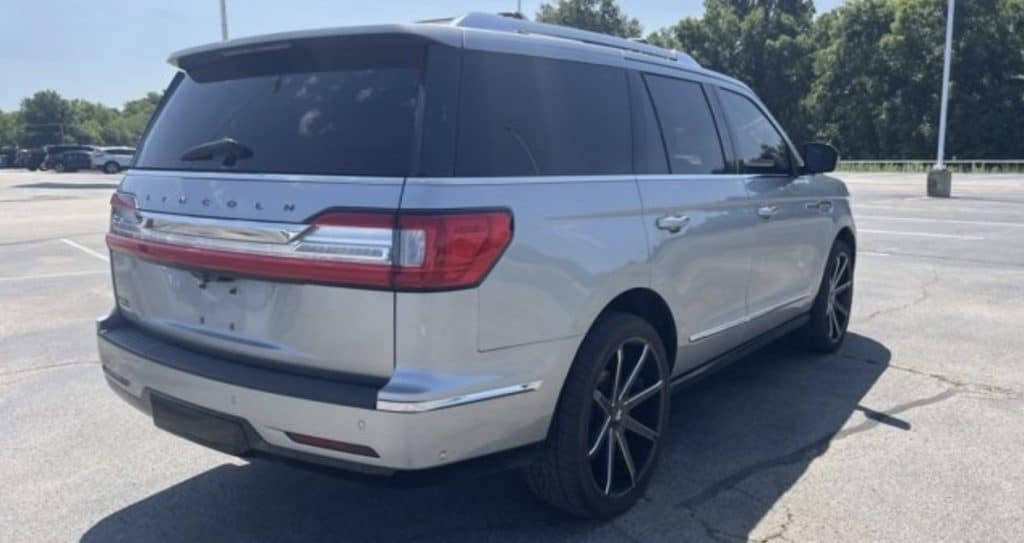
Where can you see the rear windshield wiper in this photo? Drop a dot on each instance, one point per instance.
(229, 148)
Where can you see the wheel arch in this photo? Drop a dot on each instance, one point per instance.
(846, 234)
(650, 306)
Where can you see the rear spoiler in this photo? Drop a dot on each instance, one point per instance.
(409, 33)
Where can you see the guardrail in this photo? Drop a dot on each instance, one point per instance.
(922, 166)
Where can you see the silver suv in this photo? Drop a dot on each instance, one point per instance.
(464, 244)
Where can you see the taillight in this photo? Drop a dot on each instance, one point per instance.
(124, 216)
(410, 250)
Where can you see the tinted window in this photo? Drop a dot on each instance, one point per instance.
(759, 146)
(648, 147)
(523, 115)
(687, 126)
(307, 110)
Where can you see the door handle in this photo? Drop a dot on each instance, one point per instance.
(767, 212)
(672, 223)
(821, 206)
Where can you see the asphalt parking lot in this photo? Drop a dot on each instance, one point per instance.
(914, 431)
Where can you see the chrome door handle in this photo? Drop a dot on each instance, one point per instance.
(672, 223)
(767, 212)
(821, 206)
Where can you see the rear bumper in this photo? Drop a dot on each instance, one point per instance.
(251, 410)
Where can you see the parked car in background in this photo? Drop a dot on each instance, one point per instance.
(72, 161)
(7, 157)
(52, 151)
(483, 242)
(30, 159)
(113, 159)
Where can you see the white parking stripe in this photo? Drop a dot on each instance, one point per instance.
(941, 221)
(918, 234)
(52, 275)
(85, 249)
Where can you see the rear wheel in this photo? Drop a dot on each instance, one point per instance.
(606, 435)
(59, 168)
(111, 167)
(830, 314)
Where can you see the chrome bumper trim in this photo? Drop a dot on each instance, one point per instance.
(452, 401)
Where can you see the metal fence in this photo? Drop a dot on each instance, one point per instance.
(960, 166)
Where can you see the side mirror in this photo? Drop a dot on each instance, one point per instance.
(819, 157)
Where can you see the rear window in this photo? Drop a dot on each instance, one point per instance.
(303, 109)
(524, 116)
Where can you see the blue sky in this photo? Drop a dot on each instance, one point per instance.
(112, 51)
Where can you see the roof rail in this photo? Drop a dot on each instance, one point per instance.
(505, 23)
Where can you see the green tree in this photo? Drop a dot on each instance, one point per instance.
(134, 118)
(603, 16)
(878, 72)
(764, 43)
(45, 116)
(11, 129)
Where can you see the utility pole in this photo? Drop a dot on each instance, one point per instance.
(940, 179)
(223, 20)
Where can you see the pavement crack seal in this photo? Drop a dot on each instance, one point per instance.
(993, 391)
(923, 297)
(806, 453)
(47, 367)
(780, 533)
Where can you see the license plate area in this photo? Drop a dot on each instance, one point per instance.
(199, 425)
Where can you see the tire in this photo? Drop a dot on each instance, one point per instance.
(572, 471)
(111, 167)
(59, 168)
(830, 314)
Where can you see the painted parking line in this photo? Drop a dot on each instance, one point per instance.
(85, 249)
(52, 275)
(918, 234)
(942, 221)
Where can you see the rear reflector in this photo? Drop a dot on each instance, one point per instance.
(324, 443)
(415, 251)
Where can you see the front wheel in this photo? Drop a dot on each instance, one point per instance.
(59, 168)
(111, 167)
(830, 314)
(606, 434)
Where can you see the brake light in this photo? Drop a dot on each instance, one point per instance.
(410, 250)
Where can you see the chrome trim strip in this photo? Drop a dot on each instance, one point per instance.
(243, 176)
(232, 229)
(552, 179)
(452, 401)
(743, 320)
(719, 329)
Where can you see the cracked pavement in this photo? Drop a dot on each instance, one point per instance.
(912, 432)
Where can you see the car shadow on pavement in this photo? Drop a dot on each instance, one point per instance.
(739, 440)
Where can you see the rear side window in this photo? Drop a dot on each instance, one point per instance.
(523, 116)
(304, 110)
(687, 126)
(760, 148)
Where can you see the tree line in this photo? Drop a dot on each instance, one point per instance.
(864, 76)
(46, 117)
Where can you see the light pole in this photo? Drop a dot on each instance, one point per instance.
(223, 20)
(940, 179)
